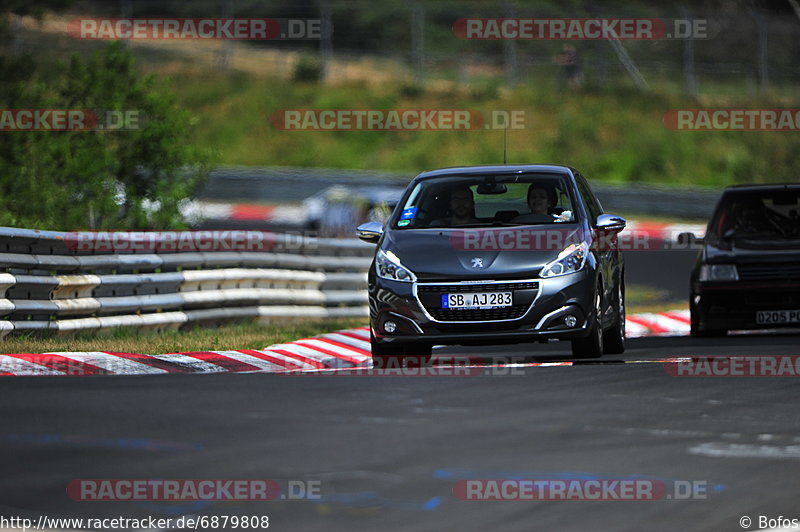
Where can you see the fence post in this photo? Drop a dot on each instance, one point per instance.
(226, 50)
(510, 52)
(326, 43)
(16, 29)
(600, 63)
(763, 50)
(690, 80)
(418, 41)
(125, 11)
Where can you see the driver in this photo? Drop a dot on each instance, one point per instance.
(462, 208)
(749, 216)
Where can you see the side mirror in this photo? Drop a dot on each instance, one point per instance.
(370, 232)
(610, 223)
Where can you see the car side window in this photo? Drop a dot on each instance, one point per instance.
(592, 205)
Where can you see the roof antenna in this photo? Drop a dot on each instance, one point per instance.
(505, 156)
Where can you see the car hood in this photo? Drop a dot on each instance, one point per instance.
(485, 253)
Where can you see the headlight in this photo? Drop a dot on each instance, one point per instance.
(570, 260)
(387, 266)
(718, 272)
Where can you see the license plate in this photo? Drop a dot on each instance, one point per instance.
(478, 300)
(769, 317)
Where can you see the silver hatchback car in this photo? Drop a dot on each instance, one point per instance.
(492, 255)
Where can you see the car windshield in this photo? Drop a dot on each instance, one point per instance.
(488, 200)
(763, 216)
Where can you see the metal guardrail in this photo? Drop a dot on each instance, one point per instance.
(293, 184)
(49, 281)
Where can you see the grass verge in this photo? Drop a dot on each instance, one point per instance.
(229, 337)
(642, 298)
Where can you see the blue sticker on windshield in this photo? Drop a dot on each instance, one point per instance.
(408, 213)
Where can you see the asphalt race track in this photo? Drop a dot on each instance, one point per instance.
(387, 451)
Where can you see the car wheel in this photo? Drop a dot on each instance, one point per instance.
(397, 355)
(696, 328)
(614, 338)
(592, 345)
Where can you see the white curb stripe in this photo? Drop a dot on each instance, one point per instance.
(253, 361)
(19, 366)
(672, 325)
(291, 360)
(349, 340)
(633, 330)
(337, 349)
(359, 332)
(319, 356)
(113, 363)
(200, 366)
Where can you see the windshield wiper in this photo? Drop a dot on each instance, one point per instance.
(490, 224)
(507, 224)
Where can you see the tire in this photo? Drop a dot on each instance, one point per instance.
(592, 345)
(696, 329)
(397, 355)
(614, 338)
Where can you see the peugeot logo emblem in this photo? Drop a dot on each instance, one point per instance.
(477, 262)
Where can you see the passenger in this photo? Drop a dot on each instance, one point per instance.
(542, 199)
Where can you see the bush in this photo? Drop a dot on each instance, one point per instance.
(308, 69)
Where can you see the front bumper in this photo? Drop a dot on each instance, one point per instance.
(554, 299)
(733, 305)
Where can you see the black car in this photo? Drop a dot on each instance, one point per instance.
(747, 275)
(496, 254)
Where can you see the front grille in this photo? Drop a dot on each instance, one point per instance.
(506, 313)
(524, 294)
(770, 298)
(477, 287)
(470, 328)
(769, 271)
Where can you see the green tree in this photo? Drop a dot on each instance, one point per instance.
(133, 178)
